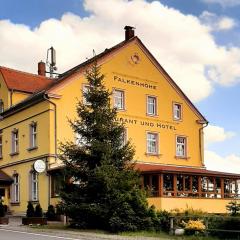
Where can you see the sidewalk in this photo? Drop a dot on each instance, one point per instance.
(15, 224)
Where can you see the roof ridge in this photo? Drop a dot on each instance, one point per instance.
(107, 50)
(27, 73)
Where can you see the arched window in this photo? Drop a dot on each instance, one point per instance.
(34, 186)
(15, 189)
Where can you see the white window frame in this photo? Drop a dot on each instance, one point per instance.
(181, 145)
(33, 135)
(177, 112)
(117, 99)
(34, 191)
(15, 198)
(85, 88)
(15, 141)
(154, 105)
(149, 140)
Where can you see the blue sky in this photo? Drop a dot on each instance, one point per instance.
(217, 22)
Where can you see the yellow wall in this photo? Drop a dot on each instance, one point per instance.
(120, 66)
(205, 204)
(24, 171)
(22, 163)
(40, 114)
(18, 97)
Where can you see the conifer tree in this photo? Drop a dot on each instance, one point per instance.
(102, 188)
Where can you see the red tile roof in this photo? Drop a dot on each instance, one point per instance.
(24, 82)
(156, 168)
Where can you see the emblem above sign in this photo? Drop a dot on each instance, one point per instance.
(39, 166)
(135, 58)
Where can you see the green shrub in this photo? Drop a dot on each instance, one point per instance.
(164, 220)
(51, 214)
(224, 223)
(59, 210)
(38, 211)
(233, 207)
(30, 210)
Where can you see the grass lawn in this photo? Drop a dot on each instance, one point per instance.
(160, 235)
(164, 235)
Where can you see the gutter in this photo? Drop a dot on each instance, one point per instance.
(200, 139)
(46, 97)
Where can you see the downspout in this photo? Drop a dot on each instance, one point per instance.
(200, 139)
(55, 141)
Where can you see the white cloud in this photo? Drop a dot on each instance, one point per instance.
(213, 134)
(217, 23)
(230, 163)
(213, 161)
(226, 23)
(183, 45)
(224, 3)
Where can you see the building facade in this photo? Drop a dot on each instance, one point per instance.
(162, 123)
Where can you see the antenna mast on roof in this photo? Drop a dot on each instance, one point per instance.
(52, 62)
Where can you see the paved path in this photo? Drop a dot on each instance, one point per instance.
(15, 231)
(7, 234)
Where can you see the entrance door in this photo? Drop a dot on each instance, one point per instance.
(2, 193)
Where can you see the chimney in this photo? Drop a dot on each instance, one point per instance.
(41, 69)
(129, 32)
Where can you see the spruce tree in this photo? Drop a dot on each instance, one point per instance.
(102, 189)
(30, 210)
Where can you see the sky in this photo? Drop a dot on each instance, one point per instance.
(196, 41)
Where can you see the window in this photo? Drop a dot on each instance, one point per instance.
(34, 186)
(15, 189)
(86, 89)
(168, 185)
(15, 141)
(1, 106)
(177, 111)
(1, 146)
(151, 105)
(181, 146)
(33, 135)
(151, 185)
(230, 188)
(119, 101)
(56, 183)
(152, 143)
(2, 193)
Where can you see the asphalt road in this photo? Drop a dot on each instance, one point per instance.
(7, 234)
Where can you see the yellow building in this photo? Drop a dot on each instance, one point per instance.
(162, 123)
